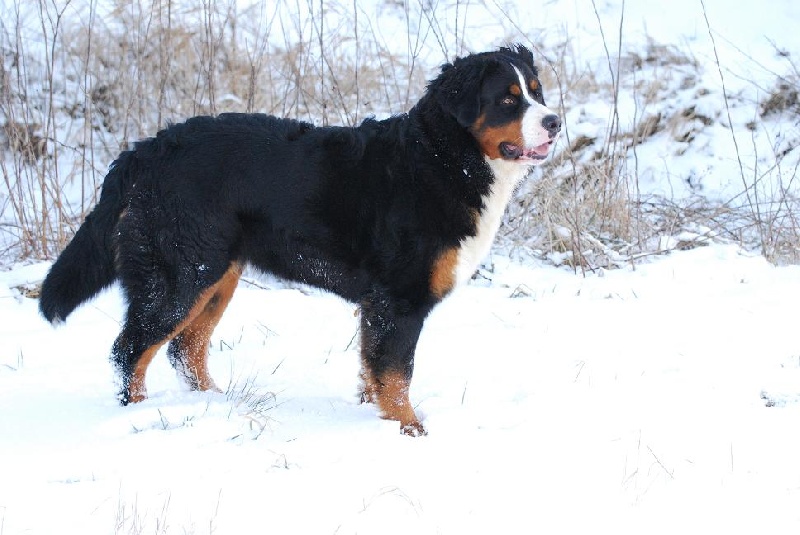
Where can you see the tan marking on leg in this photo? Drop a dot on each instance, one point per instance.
(443, 273)
(392, 397)
(137, 390)
(195, 336)
(369, 388)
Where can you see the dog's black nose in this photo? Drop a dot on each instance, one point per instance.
(552, 123)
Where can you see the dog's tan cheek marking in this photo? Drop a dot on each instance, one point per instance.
(443, 273)
(490, 137)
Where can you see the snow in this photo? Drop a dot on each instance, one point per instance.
(660, 397)
(636, 400)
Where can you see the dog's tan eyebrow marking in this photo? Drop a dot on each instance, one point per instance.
(534, 85)
(515, 90)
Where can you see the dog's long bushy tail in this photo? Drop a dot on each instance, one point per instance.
(87, 264)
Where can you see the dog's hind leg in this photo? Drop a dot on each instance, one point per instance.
(156, 315)
(140, 339)
(188, 351)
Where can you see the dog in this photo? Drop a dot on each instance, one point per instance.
(391, 215)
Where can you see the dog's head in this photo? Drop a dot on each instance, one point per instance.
(497, 96)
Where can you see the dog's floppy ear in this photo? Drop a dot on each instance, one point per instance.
(459, 90)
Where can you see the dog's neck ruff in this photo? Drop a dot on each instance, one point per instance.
(507, 175)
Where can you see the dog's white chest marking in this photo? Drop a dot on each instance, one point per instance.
(475, 248)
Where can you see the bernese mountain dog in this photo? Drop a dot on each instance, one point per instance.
(391, 215)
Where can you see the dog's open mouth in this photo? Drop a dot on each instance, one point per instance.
(510, 151)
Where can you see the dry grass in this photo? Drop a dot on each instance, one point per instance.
(90, 82)
(586, 209)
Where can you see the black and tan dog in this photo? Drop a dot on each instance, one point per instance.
(390, 215)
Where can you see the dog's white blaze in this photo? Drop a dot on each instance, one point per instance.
(524, 86)
(507, 174)
(533, 133)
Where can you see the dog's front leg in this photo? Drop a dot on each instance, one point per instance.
(389, 333)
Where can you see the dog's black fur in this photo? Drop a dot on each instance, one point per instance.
(376, 214)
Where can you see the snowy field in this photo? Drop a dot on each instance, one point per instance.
(658, 400)
(662, 397)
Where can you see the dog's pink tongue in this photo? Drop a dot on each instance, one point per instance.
(542, 149)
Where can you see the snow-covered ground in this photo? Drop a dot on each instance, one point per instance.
(657, 398)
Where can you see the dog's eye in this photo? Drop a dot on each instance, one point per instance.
(509, 100)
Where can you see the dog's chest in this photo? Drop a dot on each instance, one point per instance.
(474, 249)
